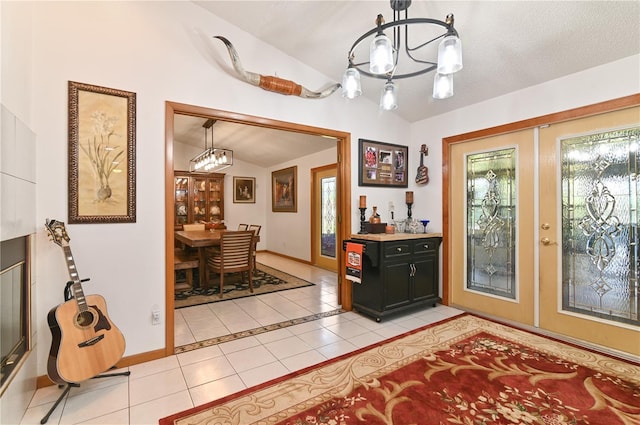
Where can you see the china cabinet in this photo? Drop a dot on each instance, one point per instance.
(198, 197)
(399, 272)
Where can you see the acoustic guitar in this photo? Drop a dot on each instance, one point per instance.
(85, 341)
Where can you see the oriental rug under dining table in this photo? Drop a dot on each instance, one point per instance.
(464, 370)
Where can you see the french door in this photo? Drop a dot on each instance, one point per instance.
(543, 228)
(325, 247)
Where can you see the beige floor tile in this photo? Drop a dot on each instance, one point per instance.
(263, 373)
(156, 386)
(206, 371)
(216, 389)
(150, 412)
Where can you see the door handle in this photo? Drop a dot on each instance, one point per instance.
(547, 241)
(545, 226)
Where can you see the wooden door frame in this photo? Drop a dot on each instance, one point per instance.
(582, 112)
(343, 161)
(314, 211)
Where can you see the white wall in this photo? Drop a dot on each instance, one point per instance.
(162, 51)
(289, 233)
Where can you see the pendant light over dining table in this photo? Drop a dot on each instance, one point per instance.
(212, 159)
(394, 59)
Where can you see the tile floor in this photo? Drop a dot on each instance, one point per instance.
(162, 387)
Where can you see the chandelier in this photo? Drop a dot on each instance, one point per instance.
(395, 59)
(211, 159)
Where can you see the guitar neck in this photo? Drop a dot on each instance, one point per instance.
(76, 287)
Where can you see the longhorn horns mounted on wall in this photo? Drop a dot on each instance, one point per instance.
(274, 84)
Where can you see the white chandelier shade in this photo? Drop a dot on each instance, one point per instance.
(351, 83)
(380, 55)
(442, 86)
(449, 55)
(389, 97)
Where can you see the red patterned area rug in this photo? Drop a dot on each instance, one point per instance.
(465, 370)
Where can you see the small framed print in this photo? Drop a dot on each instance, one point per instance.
(284, 190)
(382, 164)
(244, 190)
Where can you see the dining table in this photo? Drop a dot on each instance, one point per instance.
(202, 239)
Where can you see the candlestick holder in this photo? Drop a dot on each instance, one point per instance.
(362, 231)
(409, 204)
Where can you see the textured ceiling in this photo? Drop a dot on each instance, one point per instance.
(507, 46)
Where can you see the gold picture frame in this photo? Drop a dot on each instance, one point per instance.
(284, 190)
(102, 131)
(244, 190)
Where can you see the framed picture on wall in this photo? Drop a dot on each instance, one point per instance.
(284, 184)
(102, 146)
(382, 164)
(244, 190)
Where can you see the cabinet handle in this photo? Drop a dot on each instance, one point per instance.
(413, 270)
(399, 249)
(426, 246)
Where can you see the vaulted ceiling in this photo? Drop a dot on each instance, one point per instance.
(507, 46)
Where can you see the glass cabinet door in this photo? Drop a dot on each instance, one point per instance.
(215, 200)
(199, 191)
(181, 189)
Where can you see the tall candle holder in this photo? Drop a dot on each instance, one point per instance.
(363, 230)
(409, 205)
(409, 201)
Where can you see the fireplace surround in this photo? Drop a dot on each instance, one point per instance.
(15, 302)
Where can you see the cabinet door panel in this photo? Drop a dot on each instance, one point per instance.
(397, 277)
(425, 280)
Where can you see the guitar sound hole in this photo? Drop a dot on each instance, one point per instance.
(84, 319)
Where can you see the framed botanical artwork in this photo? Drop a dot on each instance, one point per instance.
(244, 190)
(102, 147)
(381, 164)
(284, 190)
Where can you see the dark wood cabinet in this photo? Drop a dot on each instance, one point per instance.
(198, 197)
(397, 274)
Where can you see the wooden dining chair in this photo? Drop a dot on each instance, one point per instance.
(187, 261)
(243, 227)
(255, 228)
(235, 255)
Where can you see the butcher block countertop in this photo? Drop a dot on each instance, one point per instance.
(383, 237)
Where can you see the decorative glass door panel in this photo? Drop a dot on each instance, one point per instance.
(491, 221)
(328, 217)
(324, 249)
(491, 226)
(588, 229)
(600, 225)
